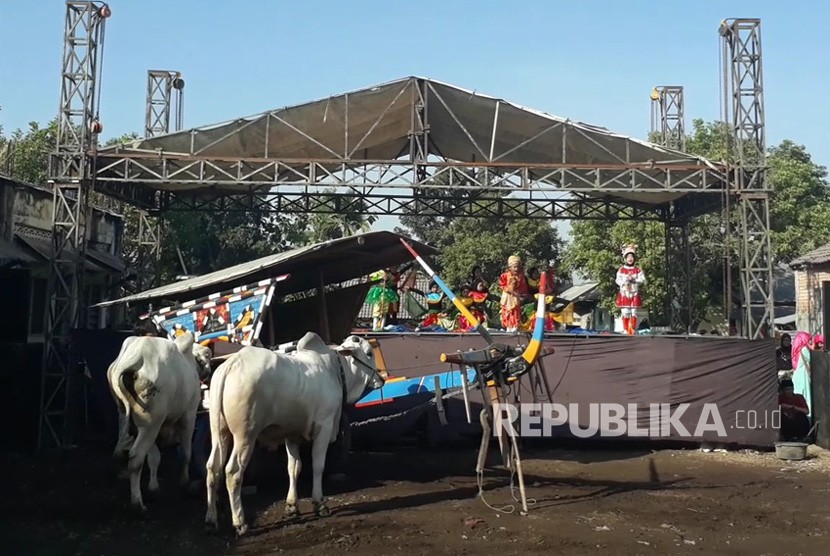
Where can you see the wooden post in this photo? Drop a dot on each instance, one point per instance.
(325, 331)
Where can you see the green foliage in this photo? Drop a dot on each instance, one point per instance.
(799, 221)
(27, 153)
(799, 204)
(465, 242)
(211, 241)
(595, 252)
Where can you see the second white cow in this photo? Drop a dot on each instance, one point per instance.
(155, 382)
(258, 394)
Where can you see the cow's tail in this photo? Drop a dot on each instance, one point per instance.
(127, 368)
(218, 424)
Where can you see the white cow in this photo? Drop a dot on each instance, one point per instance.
(260, 395)
(155, 383)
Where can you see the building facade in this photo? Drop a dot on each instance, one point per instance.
(812, 287)
(26, 244)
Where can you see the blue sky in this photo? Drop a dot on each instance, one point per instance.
(589, 60)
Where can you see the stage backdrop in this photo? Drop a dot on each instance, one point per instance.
(820, 388)
(727, 381)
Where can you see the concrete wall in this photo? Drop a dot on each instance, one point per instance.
(808, 303)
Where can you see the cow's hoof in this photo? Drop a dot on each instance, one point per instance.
(211, 527)
(241, 529)
(139, 510)
(291, 510)
(322, 510)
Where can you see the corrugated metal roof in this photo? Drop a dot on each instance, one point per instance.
(814, 257)
(574, 293)
(337, 260)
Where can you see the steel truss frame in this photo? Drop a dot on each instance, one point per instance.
(148, 247)
(235, 176)
(71, 174)
(161, 101)
(744, 89)
(668, 116)
(165, 94)
(424, 203)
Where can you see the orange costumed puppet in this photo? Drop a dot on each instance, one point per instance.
(514, 290)
(629, 278)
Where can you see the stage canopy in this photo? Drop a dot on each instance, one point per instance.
(310, 143)
(331, 262)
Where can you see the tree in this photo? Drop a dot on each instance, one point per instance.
(465, 242)
(799, 222)
(27, 153)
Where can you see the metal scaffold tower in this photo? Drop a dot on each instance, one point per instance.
(744, 107)
(668, 117)
(165, 98)
(668, 129)
(71, 176)
(165, 95)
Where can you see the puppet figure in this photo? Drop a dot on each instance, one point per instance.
(461, 322)
(435, 304)
(480, 297)
(629, 278)
(383, 295)
(514, 290)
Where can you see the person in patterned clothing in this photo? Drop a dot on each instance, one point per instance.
(629, 279)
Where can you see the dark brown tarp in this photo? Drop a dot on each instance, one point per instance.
(737, 376)
(820, 390)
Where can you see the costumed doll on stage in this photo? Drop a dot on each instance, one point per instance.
(382, 296)
(435, 304)
(629, 278)
(514, 290)
(480, 297)
(529, 308)
(461, 322)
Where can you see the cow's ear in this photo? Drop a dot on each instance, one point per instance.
(185, 342)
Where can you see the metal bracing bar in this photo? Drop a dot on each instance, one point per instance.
(741, 43)
(377, 121)
(71, 175)
(165, 95)
(457, 121)
(587, 137)
(532, 139)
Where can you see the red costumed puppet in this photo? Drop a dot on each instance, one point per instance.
(629, 278)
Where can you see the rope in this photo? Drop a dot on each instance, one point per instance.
(422, 407)
(482, 455)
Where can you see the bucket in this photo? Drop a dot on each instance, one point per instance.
(794, 451)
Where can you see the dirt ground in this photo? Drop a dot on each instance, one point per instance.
(623, 501)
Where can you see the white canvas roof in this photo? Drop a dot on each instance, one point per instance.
(374, 124)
